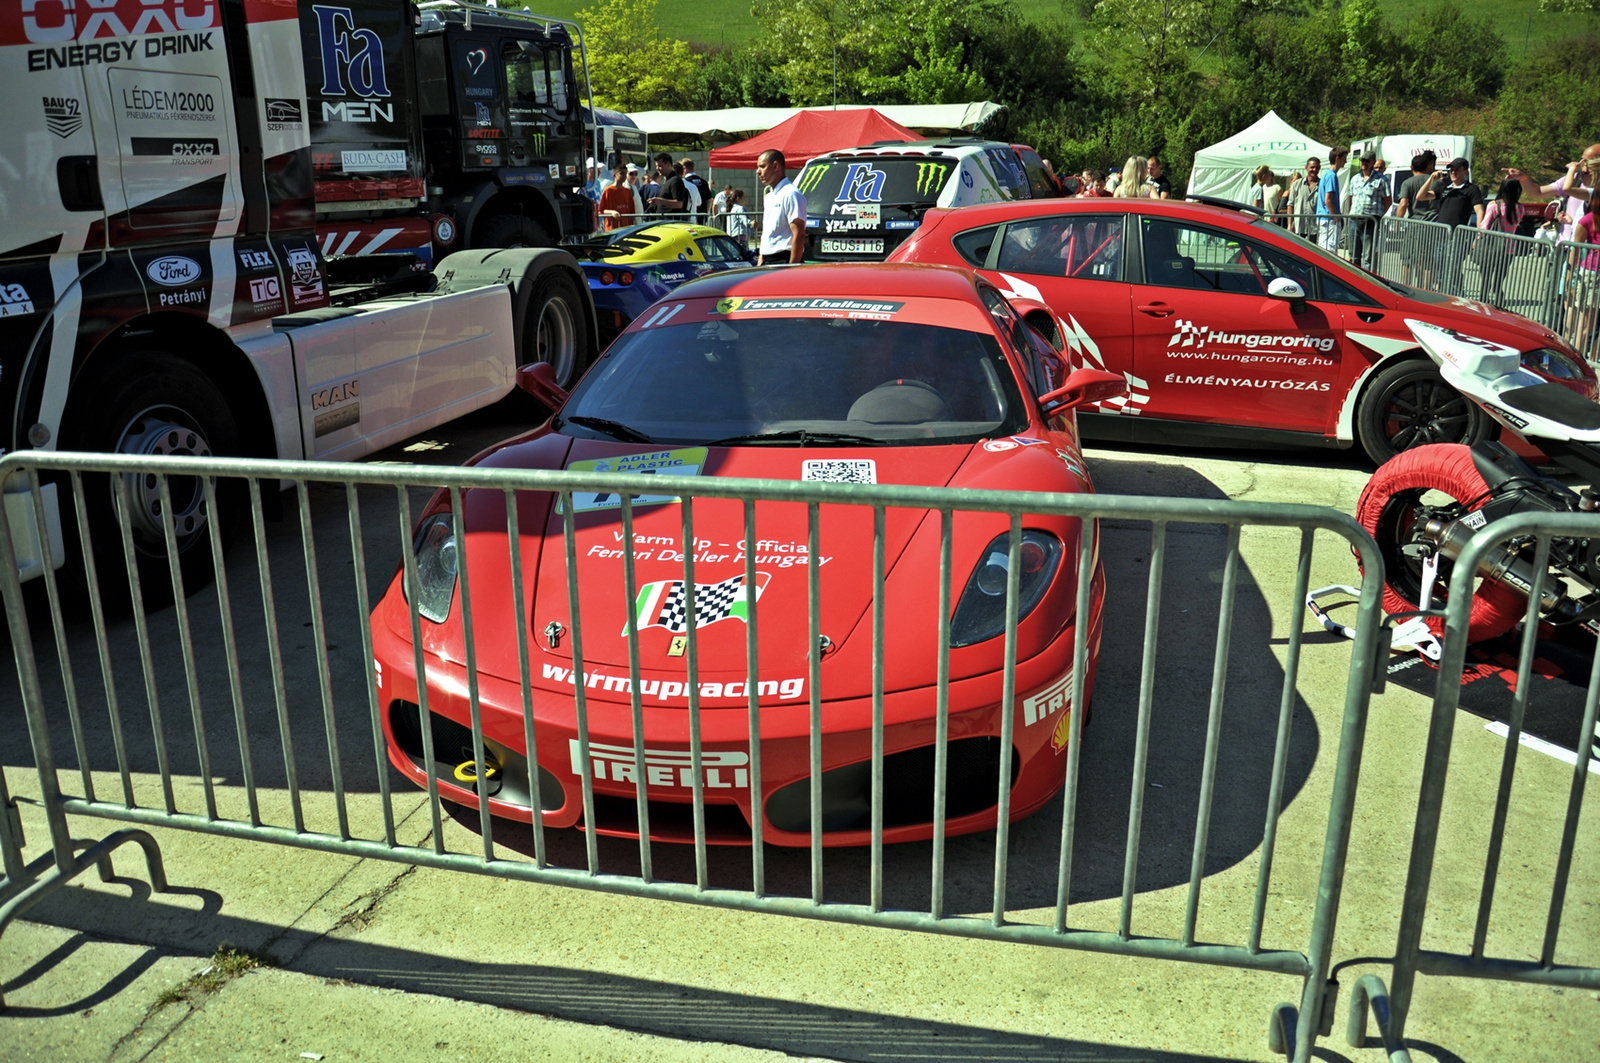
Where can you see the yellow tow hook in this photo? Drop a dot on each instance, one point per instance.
(466, 771)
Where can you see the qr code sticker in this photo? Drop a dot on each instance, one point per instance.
(840, 470)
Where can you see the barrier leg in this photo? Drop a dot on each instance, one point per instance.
(1369, 989)
(97, 855)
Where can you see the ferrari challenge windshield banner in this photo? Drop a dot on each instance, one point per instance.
(945, 313)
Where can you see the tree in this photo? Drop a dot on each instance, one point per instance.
(631, 68)
(859, 51)
(1146, 44)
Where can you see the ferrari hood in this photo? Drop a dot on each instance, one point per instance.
(659, 603)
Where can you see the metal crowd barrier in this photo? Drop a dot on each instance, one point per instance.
(1391, 1008)
(1556, 284)
(236, 641)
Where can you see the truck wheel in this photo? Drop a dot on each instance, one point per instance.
(555, 335)
(1408, 404)
(157, 404)
(511, 230)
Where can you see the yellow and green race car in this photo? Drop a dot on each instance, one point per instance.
(631, 268)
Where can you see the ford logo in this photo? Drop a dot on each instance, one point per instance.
(173, 271)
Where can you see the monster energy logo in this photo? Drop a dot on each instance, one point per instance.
(535, 144)
(930, 177)
(811, 178)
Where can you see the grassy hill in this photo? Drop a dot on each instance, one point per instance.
(718, 22)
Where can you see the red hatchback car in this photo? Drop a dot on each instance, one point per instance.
(868, 373)
(1229, 328)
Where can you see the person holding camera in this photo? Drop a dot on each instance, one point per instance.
(1573, 188)
(1460, 203)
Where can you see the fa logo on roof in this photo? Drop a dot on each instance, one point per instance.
(862, 184)
(346, 49)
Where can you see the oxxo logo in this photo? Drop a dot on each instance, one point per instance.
(862, 184)
(58, 21)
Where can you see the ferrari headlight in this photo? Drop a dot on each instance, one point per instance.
(1549, 362)
(435, 548)
(981, 612)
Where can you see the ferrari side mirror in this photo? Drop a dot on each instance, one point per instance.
(1082, 387)
(539, 380)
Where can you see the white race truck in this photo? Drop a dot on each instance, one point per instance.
(161, 287)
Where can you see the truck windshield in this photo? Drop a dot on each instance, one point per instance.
(536, 76)
(889, 179)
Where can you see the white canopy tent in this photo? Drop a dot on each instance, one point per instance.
(738, 122)
(1227, 169)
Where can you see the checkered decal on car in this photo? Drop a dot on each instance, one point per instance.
(1188, 332)
(664, 603)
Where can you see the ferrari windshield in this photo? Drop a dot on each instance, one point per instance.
(797, 381)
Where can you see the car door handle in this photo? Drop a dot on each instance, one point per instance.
(1155, 309)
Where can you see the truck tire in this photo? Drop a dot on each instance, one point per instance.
(1408, 404)
(553, 331)
(155, 404)
(511, 230)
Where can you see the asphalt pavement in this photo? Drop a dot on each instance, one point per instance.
(262, 952)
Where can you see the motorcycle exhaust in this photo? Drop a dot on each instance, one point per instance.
(1505, 567)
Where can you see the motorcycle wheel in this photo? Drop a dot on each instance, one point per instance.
(1399, 499)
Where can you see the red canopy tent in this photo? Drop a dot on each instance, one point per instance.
(812, 133)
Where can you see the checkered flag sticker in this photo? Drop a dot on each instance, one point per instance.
(664, 604)
(1189, 332)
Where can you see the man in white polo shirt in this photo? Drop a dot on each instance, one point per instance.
(783, 218)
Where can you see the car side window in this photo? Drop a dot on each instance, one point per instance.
(1080, 246)
(1335, 290)
(1191, 256)
(718, 249)
(1039, 181)
(1019, 337)
(974, 245)
(1047, 370)
(1008, 172)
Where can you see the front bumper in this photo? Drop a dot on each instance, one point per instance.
(729, 767)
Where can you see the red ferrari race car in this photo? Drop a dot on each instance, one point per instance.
(867, 373)
(1231, 329)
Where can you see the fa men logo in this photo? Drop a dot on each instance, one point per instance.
(862, 184)
(346, 49)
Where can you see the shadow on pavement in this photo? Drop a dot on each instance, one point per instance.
(573, 995)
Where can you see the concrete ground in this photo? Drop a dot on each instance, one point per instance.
(262, 952)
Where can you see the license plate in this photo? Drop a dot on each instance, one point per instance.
(852, 246)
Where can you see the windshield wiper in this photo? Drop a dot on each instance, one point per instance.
(803, 436)
(614, 429)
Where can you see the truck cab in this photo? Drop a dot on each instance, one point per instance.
(442, 126)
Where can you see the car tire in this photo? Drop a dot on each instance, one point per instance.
(511, 230)
(1408, 404)
(554, 330)
(1389, 511)
(155, 403)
